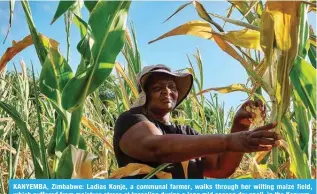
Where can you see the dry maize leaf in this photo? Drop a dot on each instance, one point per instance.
(128, 37)
(255, 169)
(21, 45)
(126, 78)
(267, 37)
(82, 163)
(312, 7)
(228, 49)
(196, 28)
(285, 15)
(202, 11)
(87, 123)
(284, 21)
(244, 38)
(178, 10)
(259, 156)
(243, 8)
(185, 168)
(133, 169)
(227, 89)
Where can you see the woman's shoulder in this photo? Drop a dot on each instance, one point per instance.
(130, 117)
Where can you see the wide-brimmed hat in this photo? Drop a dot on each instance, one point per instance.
(183, 81)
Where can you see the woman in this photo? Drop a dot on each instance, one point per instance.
(144, 134)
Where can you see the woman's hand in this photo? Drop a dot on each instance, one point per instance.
(259, 139)
(241, 121)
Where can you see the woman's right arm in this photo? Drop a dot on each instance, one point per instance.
(144, 141)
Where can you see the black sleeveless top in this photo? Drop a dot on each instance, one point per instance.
(135, 115)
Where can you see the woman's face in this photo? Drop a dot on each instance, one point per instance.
(162, 93)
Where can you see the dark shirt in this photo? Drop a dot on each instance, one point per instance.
(135, 115)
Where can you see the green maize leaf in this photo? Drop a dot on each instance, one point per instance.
(60, 137)
(86, 43)
(41, 130)
(32, 143)
(303, 77)
(52, 144)
(304, 42)
(302, 122)
(137, 57)
(109, 40)
(65, 165)
(312, 55)
(81, 24)
(299, 164)
(90, 5)
(82, 143)
(39, 45)
(54, 75)
(62, 7)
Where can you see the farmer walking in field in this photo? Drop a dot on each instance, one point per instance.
(145, 135)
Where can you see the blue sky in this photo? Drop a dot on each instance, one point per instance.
(219, 68)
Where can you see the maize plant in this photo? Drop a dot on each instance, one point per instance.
(273, 47)
(67, 91)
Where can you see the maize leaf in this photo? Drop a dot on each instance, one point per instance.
(109, 40)
(39, 45)
(243, 8)
(267, 38)
(41, 131)
(204, 15)
(302, 123)
(90, 5)
(75, 163)
(123, 92)
(32, 143)
(179, 9)
(62, 7)
(132, 55)
(286, 22)
(304, 43)
(244, 38)
(195, 28)
(303, 77)
(137, 58)
(11, 5)
(228, 49)
(85, 45)
(312, 55)
(282, 19)
(54, 76)
(299, 164)
(237, 22)
(21, 45)
(65, 166)
(82, 163)
(133, 169)
(86, 122)
(227, 89)
(126, 79)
